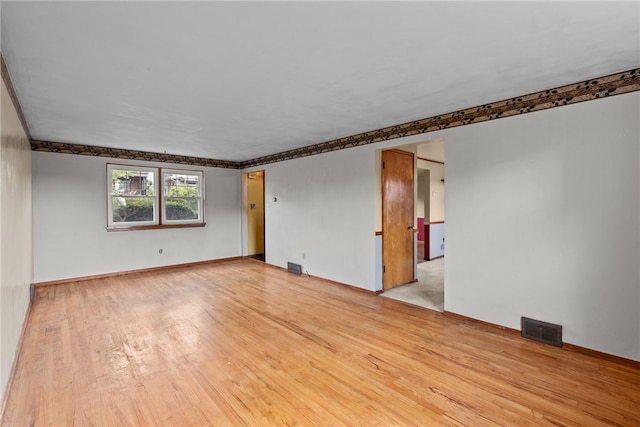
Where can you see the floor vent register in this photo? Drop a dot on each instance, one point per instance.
(544, 332)
(294, 268)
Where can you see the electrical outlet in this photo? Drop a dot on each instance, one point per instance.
(160, 251)
(442, 247)
(304, 255)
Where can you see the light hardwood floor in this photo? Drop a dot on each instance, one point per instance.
(242, 343)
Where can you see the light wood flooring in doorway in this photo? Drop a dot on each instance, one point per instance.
(241, 343)
(427, 292)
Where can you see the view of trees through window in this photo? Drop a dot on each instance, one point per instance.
(181, 196)
(134, 198)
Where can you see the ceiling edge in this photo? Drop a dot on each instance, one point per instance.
(6, 77)
(587, 90)
(613, 84)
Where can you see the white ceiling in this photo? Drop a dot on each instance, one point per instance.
(239, 80)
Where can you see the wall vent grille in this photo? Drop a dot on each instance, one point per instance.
(544, 332)
(294, 268)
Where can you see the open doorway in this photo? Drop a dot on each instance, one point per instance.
(428, 289)
(253, 206)
(423, 213)
(431, 194)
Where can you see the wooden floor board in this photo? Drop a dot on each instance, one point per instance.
(242, 343)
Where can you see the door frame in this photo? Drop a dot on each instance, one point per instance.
(245, 212)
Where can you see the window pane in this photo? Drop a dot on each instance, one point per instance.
(132, 182)
(182, 208)
(133, 197)
(132, 209)
(182, 201)
(181, 185)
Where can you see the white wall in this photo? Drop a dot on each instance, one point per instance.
(436, 204)
(436, 240)
(70, 240)
(325, 210)
(436, 189)
(16, 246)
(543, 221)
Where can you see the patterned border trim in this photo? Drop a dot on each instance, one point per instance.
(12, 94)
(614, 84)
(118, 153)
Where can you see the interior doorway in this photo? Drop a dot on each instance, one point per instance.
(253, 204)
(427, 290)
(397, 218)
(431, 197)
(423, 214)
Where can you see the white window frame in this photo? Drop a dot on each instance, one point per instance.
(156, 217)
(159, 201)
(200, 197)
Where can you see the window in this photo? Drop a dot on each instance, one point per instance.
(139, 199)
(182, 201)
(132, 199)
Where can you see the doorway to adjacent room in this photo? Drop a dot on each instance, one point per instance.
(253, 206)
(426, 289)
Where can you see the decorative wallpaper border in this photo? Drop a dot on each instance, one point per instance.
(120, 153)
(614, 84)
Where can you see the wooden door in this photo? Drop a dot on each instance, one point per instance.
(397, 218)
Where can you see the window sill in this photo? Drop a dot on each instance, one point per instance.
(155, 227)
